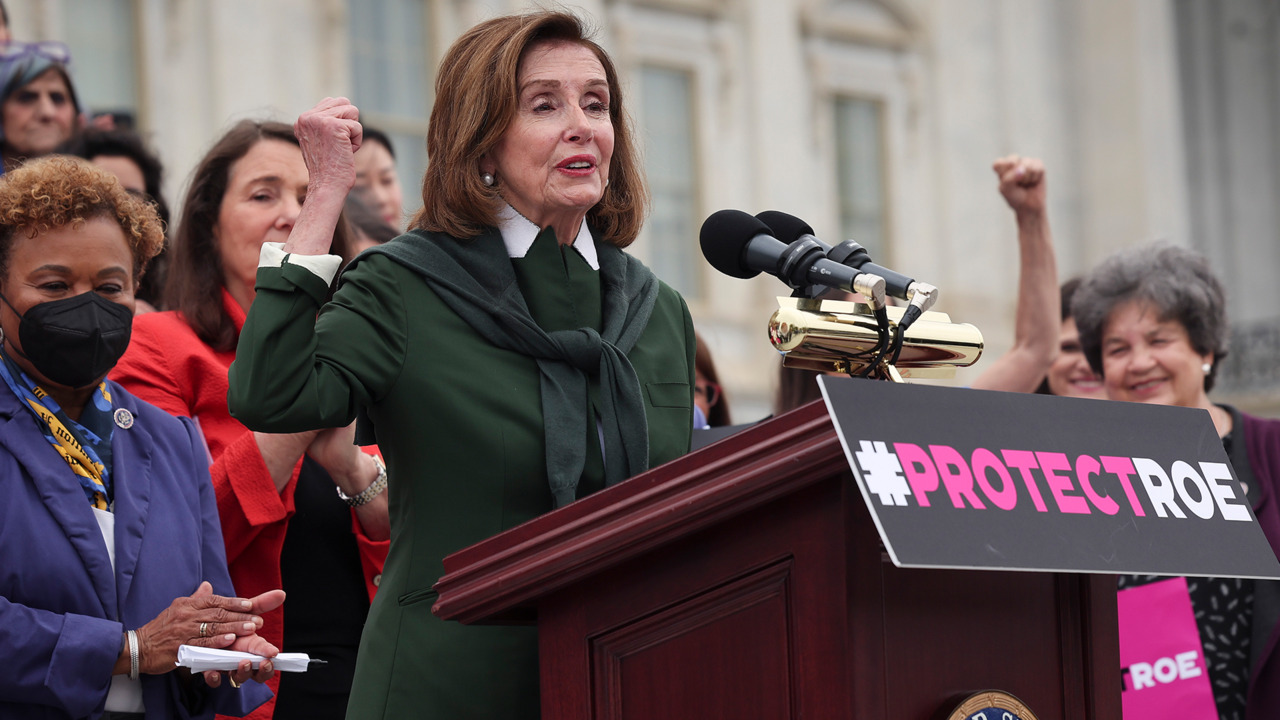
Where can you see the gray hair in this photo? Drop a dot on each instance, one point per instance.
(1176, 281)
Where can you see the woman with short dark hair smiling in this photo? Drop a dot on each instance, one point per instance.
(1153, 324)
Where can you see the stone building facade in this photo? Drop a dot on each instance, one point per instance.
(872, 119)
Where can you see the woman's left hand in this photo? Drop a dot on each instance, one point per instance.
(254, 644)
(329, 135)
(244, 673)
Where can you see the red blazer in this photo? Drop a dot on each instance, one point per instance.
(170, 367)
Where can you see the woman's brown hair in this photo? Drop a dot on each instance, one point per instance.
(477, 93)
(195, 282)
(718, 414)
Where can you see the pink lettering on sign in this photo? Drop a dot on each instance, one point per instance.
(922, 476)
(1025, 462)
(984, 462)
(1087, 467)
(1054, 464)
(1077, 488)
(1122, 468)
(956, 476)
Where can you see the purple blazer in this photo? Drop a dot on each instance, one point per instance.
(1262, 442)
(62, 610)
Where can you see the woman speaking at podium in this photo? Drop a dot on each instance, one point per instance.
(1153, 324)
(510, 355)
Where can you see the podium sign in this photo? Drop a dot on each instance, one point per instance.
(746, 580)
(958, 478)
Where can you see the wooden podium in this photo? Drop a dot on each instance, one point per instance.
(747, 581)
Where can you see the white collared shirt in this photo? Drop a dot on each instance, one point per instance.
(518, 234)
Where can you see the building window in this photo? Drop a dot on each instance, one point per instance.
(667, 120)
(391, 71)
(101, 35)
(860, 179)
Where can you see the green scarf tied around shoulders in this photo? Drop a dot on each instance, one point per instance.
(475, 278)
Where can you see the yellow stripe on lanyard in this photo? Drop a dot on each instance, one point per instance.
(74, 454)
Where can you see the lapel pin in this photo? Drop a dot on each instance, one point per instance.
(124, 419)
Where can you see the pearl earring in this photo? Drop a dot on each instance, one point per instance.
(487, 179)
(1207, 368)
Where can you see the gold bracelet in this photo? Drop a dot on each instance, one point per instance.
(371, 492)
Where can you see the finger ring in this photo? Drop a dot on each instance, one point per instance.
(233, 682)
(204, 629)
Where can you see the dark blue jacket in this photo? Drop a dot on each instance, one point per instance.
(62, 610)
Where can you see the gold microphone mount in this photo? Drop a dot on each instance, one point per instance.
(838, 336)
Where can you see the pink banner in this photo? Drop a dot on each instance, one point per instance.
(1161, 656)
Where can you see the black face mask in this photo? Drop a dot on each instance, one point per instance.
(76, 340)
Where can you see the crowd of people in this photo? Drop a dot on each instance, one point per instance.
(247, 402)
(187, 506)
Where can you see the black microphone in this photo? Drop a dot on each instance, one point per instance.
(921, 295)
(788, 228)
(739, 245)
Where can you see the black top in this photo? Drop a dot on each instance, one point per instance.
(326, 598)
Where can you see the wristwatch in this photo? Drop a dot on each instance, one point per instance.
(370, 492)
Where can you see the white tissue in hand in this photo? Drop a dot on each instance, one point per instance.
(200, 659)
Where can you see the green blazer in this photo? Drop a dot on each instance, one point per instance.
(459, 422)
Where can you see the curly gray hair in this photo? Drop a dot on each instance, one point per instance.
(1176, 281)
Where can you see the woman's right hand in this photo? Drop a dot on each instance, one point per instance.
(1022, 183)
(329, 135)
(229, 620)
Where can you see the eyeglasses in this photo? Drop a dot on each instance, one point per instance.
(709, 392)
(48, 49)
